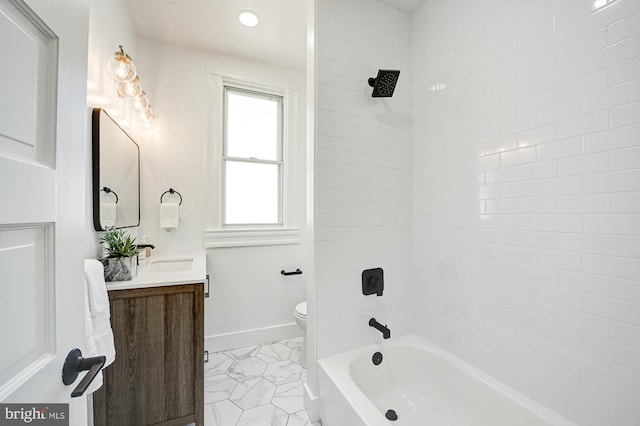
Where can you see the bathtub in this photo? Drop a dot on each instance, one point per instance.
(423, 385)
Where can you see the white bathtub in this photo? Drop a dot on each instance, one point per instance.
(424, 385)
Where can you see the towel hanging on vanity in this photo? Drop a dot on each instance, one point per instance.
(98, 332)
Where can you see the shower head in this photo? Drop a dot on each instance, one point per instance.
(384, 84)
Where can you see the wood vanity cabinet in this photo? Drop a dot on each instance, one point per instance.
(157, 377)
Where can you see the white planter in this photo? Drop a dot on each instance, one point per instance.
(120, 268)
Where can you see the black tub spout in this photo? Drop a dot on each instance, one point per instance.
(386, 333)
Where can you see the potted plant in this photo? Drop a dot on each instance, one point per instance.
(121, 250)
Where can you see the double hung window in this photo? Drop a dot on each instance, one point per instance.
(252, 158)
(255, 158)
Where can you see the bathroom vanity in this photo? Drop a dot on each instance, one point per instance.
(157, 318)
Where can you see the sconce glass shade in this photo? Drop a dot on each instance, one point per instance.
(139, 102)
(146, 114)
(121, 67)
(129, 89)
(147, 117)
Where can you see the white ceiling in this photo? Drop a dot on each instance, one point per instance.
(279, 39)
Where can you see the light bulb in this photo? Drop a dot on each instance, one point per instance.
(147, 117)
(129, 89)
(146, 114)
(132, 89)
(139, 102)
(121, 66)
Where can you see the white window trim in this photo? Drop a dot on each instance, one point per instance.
(215, 234)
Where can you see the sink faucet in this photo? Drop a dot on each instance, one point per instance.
(146, 247)
(386, 333)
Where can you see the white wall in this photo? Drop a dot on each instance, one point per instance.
(109, 26)
(362, 171)
(247, 290)
(527, 196)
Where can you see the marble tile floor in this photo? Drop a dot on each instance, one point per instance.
(258, 385)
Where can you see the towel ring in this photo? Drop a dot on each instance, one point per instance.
(171, 191)
(108, 190)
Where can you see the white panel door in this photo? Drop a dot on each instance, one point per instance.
(43, 113)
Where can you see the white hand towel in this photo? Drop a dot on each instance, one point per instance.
(169, 216)
(108, 214)
(97, 289)
(90, 343)
(98, 332)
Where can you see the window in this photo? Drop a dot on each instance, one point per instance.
(256, 156)
(252, 158)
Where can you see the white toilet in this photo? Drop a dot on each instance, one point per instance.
(300, 315)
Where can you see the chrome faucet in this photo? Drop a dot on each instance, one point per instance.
(386, 333)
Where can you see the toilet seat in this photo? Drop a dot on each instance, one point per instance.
(301, 310)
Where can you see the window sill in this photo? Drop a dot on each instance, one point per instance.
(215, 238)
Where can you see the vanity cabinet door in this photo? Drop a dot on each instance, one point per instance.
(157, 377)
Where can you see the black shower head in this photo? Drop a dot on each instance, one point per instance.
(384, 84)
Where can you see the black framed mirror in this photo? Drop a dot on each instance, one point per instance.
(116, 174)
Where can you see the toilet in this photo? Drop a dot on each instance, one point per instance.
(300, 314)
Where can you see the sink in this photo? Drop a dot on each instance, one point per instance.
(167, 269)
(168, 265)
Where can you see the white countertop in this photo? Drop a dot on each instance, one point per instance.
(150, 275)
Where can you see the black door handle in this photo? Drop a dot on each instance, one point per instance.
(296, 272)
(74, 364)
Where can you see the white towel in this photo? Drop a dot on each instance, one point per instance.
(98, 333)
(108, 214)
(90, 349)
(96, 287)
(169, 216)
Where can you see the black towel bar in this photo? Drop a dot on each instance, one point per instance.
(171, 191)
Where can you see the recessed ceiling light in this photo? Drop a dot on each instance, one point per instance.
(248, 18)
(599, 4)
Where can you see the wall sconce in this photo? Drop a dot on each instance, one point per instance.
(128, 85)
(121, 66)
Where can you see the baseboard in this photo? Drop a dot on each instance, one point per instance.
(256, 336)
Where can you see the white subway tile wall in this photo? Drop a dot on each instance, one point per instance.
(526, 194)
(363, 172)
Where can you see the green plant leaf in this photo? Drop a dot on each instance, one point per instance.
(119, 243)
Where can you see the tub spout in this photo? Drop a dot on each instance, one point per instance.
(386, 333)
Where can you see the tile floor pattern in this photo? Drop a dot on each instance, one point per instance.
(256, 386)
